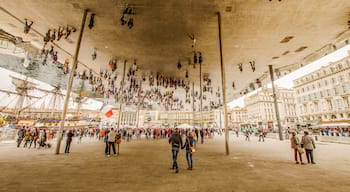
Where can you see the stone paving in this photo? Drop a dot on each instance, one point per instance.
(143, 165)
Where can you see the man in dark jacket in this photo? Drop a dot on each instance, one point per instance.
(20, 136)
(69, 140)
(176, 142)
(201, 132)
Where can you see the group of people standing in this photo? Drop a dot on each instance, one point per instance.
(306, 144)
(33, 136)
(111, 138)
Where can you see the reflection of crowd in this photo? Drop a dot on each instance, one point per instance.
(344, 132)
(41, 137)
(33, 136)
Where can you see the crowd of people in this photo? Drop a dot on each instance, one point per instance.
(178, 138)
(339, 132)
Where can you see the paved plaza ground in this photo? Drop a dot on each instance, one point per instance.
(144, 165)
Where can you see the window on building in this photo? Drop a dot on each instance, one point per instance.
(334, 80)
(335, 90)
(340, 103)
(325, 82)
(340, 66)
(332, 69)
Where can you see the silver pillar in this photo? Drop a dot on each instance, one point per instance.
(223, 89)
(70, 82)
(121, 96)
(276, 105)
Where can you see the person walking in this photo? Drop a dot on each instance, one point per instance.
(20, 136)
(295, 145)
(189, 144)
(33, 137)
(26, 138)
(201, 132)
(118, 138)
(308, 143)
(193, 134)
(111, 142)
(261, 134)
(69, 140)
(43, 138)
(105, 139)
(176, 142)
(247, 134)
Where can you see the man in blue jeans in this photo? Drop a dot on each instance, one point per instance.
(176, 142)
(308, 143)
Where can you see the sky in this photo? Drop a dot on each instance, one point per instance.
(287, 80)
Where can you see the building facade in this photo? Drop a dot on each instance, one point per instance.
(261, 110)
(238, 117)
(324, 95)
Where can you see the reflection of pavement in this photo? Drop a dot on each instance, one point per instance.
(144, 166)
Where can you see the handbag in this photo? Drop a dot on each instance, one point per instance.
(300, 150)
(192, 149)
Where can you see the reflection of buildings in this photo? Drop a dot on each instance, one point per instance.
(50, 118)
(169, 118)
(324, 95)
(261, 111)
(172, 118)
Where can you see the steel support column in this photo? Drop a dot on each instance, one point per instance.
(201, 94)
(223, 83)
(193, 111)
(275, 102)
(121, 96)
(70, 82)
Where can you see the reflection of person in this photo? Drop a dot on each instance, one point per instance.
(69, 140)
(309, 144)
(176, 142)
(27, 26)
(295, 144)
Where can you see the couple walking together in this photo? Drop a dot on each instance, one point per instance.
(176, 143)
